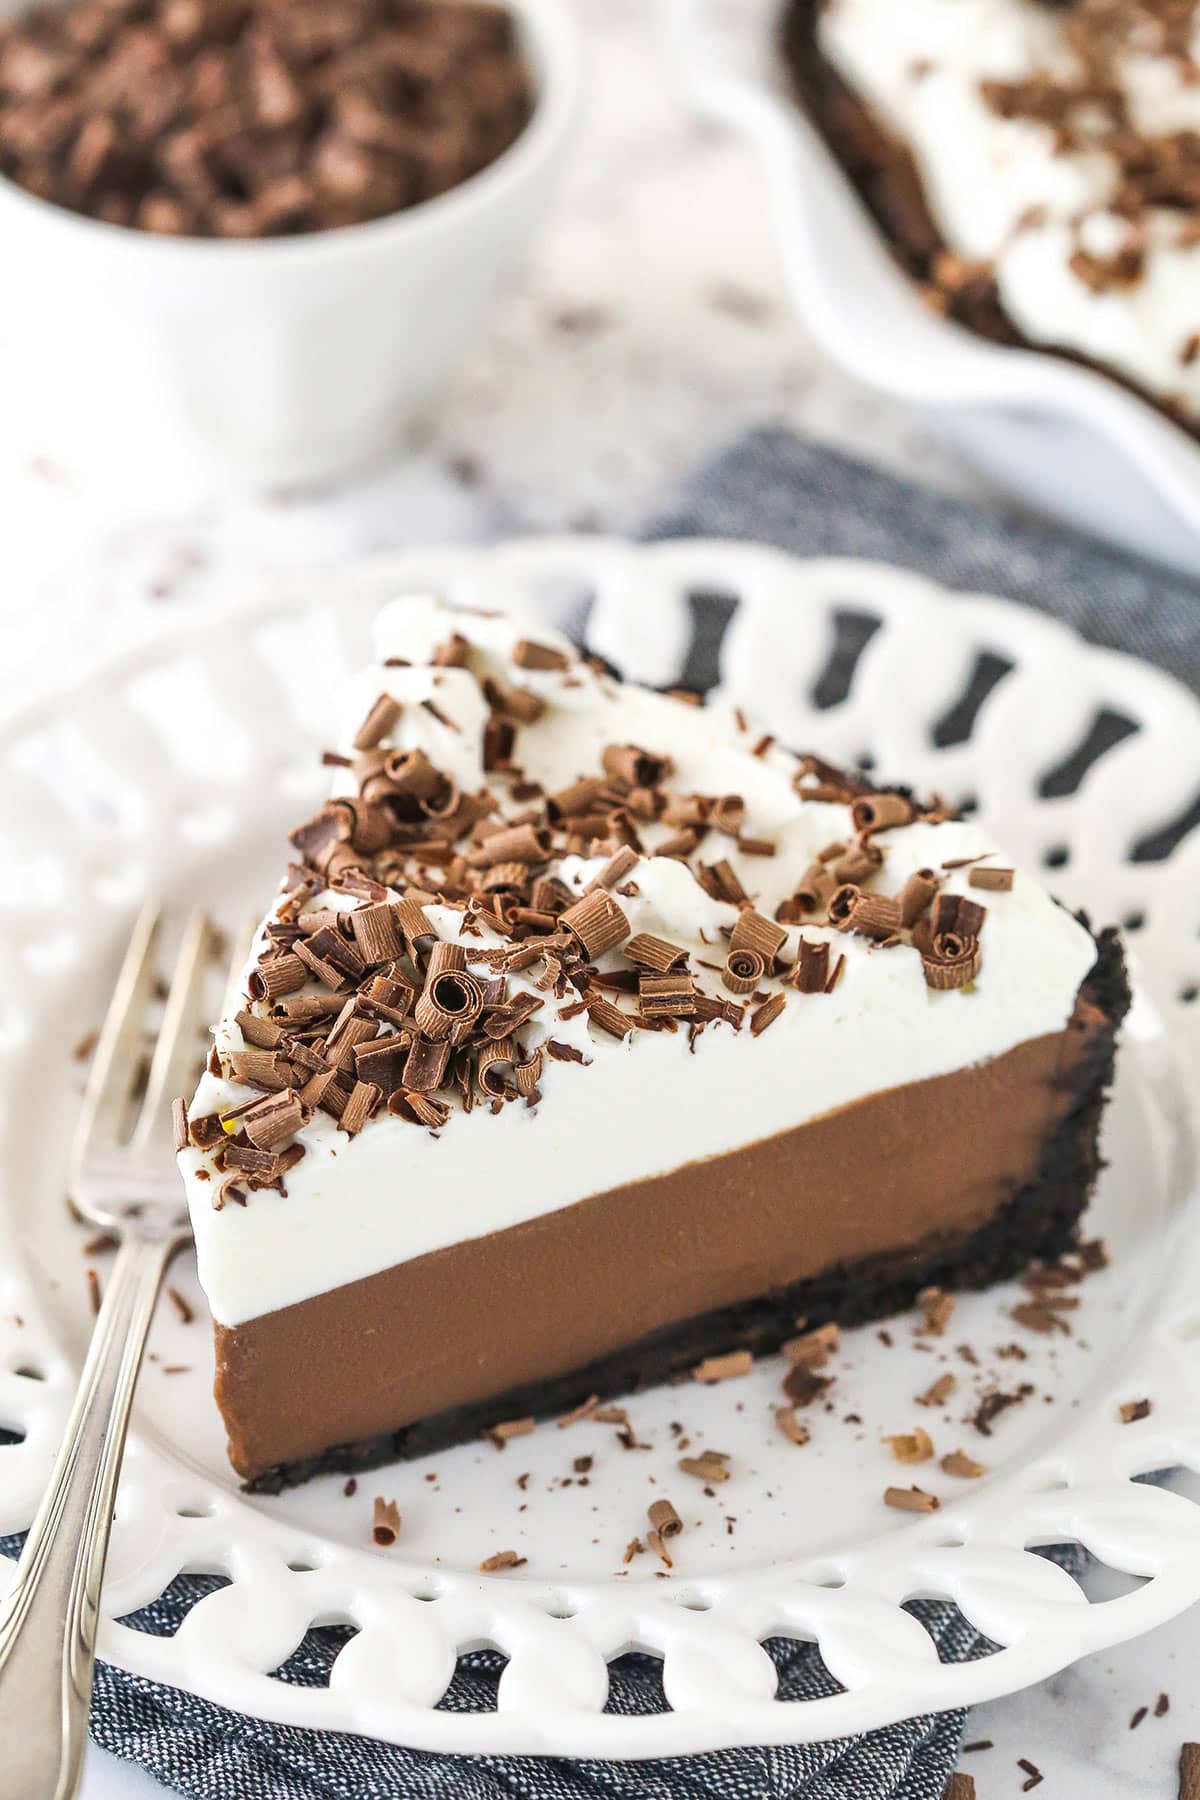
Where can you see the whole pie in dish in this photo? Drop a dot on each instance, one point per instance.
(1035, 164)
(594, 1034)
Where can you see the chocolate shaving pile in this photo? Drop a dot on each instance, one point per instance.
(256, 118)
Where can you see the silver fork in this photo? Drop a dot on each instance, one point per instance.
(123, 1180)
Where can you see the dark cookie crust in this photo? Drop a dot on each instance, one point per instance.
(1038, 1222)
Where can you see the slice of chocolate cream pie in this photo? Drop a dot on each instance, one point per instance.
(594, 1034)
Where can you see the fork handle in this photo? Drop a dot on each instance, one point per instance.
(48, 1620)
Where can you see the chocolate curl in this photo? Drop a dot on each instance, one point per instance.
(917, 894)
(319, 836)
(505, 878)
(615, 869)
(418, 1109)
(382, 1063)
(680, 846)
(655, 954)
(518, 844)
(811, 971)
(279, 976)
(385, 1528)
(686, 809)
(728, 814)
(529, 655)
(499, 736)
(426, 1067)
(378, 723)
(766, 1014)
(998, 880)
(743, 971)
(271, 1124)
(957, 913)
(719, 881)
(871, 915)
(841, 904)
(953, 961)
(364, 1098)
(549, 894)
(858, 863)
(494, 1069)
(377, 933)
(265, 1069)
(665, 1520)
(179, 1125)
(518, 703)
(577, 800)
(880, 812)
(451, 998)
(815, 889)
(411, 773)
(752, 932)
(640, 768)
(452, 653)
(264, 1034)
(415, 928)
(528, 1074)
(351, 1027)
(313, 1093)
(607, 1017)
(598, 922)
(445, 806)
(308, 1009)
(670, 996)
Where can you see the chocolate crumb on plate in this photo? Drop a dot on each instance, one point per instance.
(959, 1464)
(664, 1518)
(936, 1307)
(1033, 1773)
(790, 1425)
(938, 1391)
(1133, 1410)
(181, 1305)
(911, 1447)
(93, 1288)
(1162, 1706)
(385, 1526)
(1138, 1716)
(501, 1559)
(910, 1499)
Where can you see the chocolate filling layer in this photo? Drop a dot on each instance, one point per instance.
(959, 1180)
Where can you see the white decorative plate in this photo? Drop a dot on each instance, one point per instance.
(180, 766)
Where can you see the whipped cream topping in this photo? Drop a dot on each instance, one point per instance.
(1003, 190)
(652, 1102)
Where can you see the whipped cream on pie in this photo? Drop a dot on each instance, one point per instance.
(599, 1110)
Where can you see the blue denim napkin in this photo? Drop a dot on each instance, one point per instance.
(769, 487)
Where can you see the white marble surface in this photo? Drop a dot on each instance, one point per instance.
(649, 328)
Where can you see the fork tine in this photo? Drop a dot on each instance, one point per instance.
(176, 1052)
(115, 1061)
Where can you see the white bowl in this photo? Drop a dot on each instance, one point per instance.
(270, 361)
(1068, 439)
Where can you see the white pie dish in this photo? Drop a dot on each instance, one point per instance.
(1065, 438)
(269, 361)
(134, 798)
